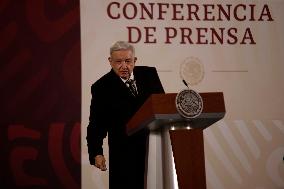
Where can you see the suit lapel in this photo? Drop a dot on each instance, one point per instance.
(139, 81)
(119, 86)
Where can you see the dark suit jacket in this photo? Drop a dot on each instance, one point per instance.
(111, 108)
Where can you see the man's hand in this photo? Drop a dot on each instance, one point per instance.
(100, 162)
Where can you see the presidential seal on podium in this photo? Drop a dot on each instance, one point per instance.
(189, 103)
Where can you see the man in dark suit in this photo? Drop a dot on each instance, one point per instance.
(115, 98)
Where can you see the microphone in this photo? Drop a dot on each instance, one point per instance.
(184, 82)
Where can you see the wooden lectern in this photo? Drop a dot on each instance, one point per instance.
(182, 142)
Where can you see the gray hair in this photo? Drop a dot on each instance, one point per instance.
(121, 45)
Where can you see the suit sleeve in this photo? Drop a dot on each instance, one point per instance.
(97, 128)
(156, 84)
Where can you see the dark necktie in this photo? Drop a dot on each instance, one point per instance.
(131, 86)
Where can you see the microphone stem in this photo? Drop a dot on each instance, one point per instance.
(185, 83)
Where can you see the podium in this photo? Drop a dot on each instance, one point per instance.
(180, 151)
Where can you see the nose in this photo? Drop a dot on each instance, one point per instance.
(123, 64)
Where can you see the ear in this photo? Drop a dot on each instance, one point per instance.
(135, 59)
(109, 59)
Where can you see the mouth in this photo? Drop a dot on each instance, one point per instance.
(124, 72)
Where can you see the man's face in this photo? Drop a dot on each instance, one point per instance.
(122, 62)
